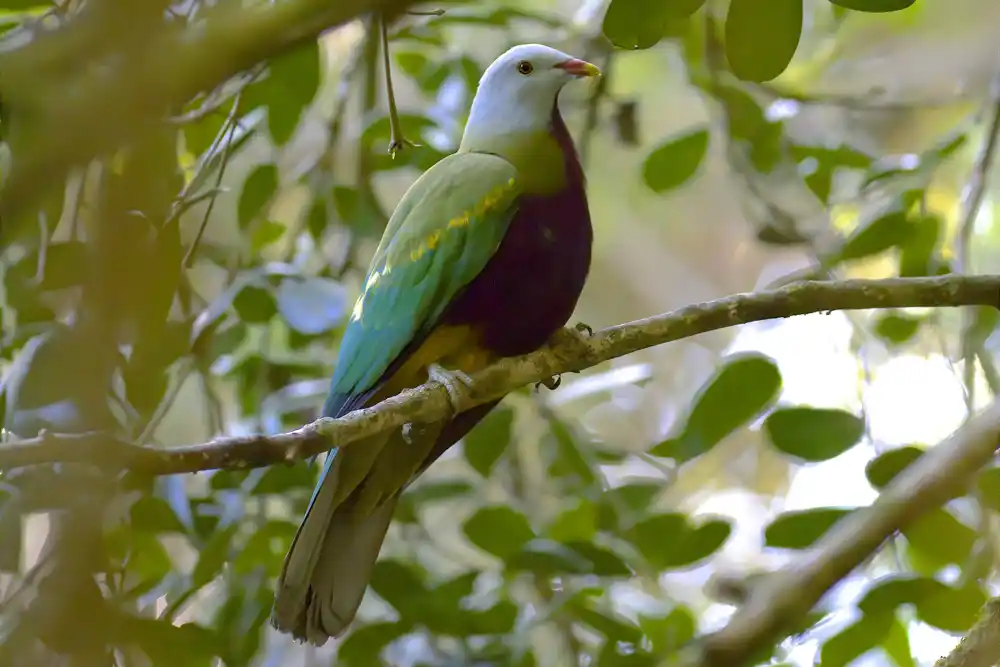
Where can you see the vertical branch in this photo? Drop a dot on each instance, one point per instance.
(226, 145)
(971, 349)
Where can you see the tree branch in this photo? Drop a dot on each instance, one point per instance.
(103, 107)
(981, 647)
(778, 602)
(429, 402)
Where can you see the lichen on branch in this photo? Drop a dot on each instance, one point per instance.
(429, 402)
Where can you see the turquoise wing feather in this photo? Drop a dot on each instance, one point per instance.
(441, 235)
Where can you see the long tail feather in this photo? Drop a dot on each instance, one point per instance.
(327, 568)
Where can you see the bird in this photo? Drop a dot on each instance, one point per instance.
(484, 257)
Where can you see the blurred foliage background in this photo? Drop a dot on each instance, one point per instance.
(195, 282)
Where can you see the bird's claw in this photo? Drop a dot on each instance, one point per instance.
(574, 338)
(551, 383)
(457, 383)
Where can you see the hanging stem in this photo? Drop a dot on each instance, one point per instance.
(396, 139)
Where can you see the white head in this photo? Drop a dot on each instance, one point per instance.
(518, 91)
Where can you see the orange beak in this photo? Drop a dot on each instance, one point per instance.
(578, 67)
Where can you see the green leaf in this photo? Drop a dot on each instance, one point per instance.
(265, 548)
(799, 529)
(289, 87)
(363, 645)
(312, 305)
(916, 257)
(264, 234)
(887, 231)
(634, 24)
(318, 218)
(940, 538)
(813, 434)
(633, 500)
(428, 492)
(897, 645)
(154, 515)
(855, 640)
(670, 541)
(214, 555)
(548, 558)
(444, 613)
(614, 654)
(259, 188)
(186, 645)
(255, 305)
(897, 328)
(568, 463)
(874, 6)
(284, 479)
(762, 36)
(843, 156)
(604, 562)
(674, 162)
(668, 633)
(610, 624)
(577, 523)
(988, 484)
(951, 609)
(640, 24)
(497, 620)
(148, 559)
(741, 390)
(498, 530)
(881, 470)
(888, 593)
(487, 441)
(401, 584)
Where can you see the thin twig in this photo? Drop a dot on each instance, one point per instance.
(397, 141)
(430, 403)
(229, 128)
(215, 100)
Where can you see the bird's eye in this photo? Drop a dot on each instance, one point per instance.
(525, 68)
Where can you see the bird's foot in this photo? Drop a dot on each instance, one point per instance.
(457, 383)
(398, 145)
(551, 383)
(572, 340)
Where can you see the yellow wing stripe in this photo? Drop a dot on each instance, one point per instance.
(487, 203)
(429, 242)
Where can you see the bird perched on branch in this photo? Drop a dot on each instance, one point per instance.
(484, 257)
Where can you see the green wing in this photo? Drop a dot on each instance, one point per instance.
(441, 235)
